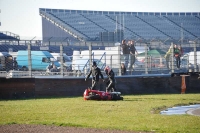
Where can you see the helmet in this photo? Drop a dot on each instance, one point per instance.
(94, 63)
(107, 69)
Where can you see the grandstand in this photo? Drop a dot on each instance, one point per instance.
(111, 26)
(8, 36)
(76, 29)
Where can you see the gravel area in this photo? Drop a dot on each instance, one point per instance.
(23, 128)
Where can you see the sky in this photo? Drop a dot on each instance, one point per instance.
(22, 17)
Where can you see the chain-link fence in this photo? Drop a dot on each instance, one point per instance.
(60, 60)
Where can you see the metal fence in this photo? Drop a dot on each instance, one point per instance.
(150, 59)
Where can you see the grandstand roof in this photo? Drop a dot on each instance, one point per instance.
(118, 12)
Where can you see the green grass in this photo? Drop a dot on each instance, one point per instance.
(134, 113)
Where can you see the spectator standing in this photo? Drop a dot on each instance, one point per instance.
(168, 56)
(111, 79)
(54, 69)
(15, 64)
(123, 69)
(125, 51)
(180, 51)
(50, 66)
(177, 55)
(132, 54)
(96, 72)
(9, 63)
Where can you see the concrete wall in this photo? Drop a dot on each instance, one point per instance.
(16, 88)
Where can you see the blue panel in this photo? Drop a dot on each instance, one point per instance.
(140, 13)
(195, 13)
(169, 14)
(176, 14)
(90, 12)
(111, 13)
(61, 10)
(134, 13)
(105, 12)
(48, 10)
(67, 11)
(84, 11)
(163, 13)
(182, 14)
(188, 13)
(151, 13)
(100, 12)
(79, 11)
(73, 11)
(42, 9)
(54, 10)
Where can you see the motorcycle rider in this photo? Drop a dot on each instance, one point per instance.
(111, 79)
(96, 72)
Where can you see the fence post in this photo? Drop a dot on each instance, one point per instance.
(29, 60)
(61, 59)
(119, 59)
(90, 55)
(172, 58)
(150, 62)
(195, 57)
(111, 61)
(183, 84)
(146, 65)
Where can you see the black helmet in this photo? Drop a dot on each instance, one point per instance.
(94, 63)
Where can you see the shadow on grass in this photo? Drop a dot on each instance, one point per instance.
(45, 97)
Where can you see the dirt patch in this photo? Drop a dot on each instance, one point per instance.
(23, 128)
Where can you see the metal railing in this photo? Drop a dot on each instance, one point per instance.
(31, 64)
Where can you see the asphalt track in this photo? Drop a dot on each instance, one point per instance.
(195, 111)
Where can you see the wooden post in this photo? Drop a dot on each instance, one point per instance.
(183, 84)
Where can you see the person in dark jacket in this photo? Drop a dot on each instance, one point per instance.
(132, 54)
(125, 51)
(177, 55)
(96, 72)
(111, 79)
(15, 64)
(123, 69)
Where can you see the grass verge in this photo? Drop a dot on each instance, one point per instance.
(134, 113)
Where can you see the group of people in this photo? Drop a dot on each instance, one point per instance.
(129, 52)
(52, 67)
(10, 63)
(178, 52)
(96, 72)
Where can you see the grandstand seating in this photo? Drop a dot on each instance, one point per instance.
(8, 36)
(134, 24)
